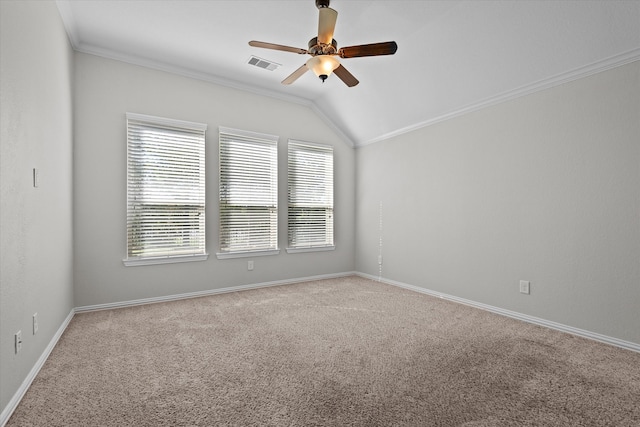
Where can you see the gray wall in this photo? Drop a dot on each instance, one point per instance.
(36, 63)
(544, 188)
(105, 91)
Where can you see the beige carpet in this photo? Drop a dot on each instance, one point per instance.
(342, 352)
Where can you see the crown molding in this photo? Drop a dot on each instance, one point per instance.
(69, 22)
(559, 79)
(65, 9)
(210, 78)
(185, 72)
(320, 113)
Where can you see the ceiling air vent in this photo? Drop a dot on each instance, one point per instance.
(263, 63)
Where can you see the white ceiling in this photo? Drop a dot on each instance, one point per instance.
(453, 56)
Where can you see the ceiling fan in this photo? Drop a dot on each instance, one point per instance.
(324, 49)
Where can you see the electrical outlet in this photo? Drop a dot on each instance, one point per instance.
(250, 265)
(35, 323)
(524, 287)
(18, 341)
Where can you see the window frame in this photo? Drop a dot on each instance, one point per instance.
(258, 138)
(290, 177)
(190, 127)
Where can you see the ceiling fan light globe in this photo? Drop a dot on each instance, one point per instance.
(323, 65)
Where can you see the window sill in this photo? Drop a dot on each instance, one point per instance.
(133, 262)
(246, 254)
(310, 249)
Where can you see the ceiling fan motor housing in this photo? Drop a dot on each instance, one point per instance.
(322, 3)
(316, 48)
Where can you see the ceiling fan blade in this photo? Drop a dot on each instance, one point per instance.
(326, 24)
(345, 76)
(374, 49)
(295, 75)
(274, 46)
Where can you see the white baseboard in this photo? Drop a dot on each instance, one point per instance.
(19, 394)
(17, 397)
(628, 345)
(187, 295)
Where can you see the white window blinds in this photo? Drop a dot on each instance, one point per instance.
(165, 190)
(248, 193)
(310, 176)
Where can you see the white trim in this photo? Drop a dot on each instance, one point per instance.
(197, 294)
(167, 122)
(310, 249)
(207, 77)
(185, 72)
(69, 22)
(566, 77)
(246, 254)
(134, 262)
(19, 394)
(580, 72)
(327, 121)
(628, 345)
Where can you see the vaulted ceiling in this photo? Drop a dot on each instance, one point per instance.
(453, 56)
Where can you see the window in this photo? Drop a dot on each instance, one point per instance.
(165, 190)
(310, 219)
(248, 194)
